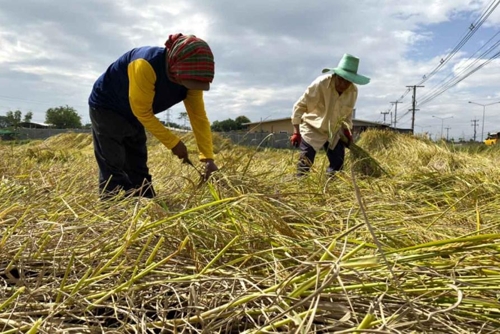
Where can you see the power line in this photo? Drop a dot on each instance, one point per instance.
(470, 64)
(456, 80)
(2, 97)
(414, 103)
(437, 91)
(471, 30)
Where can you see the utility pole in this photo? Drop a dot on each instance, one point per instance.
(447, 132)
(442, 122)
(475, 123)
(384, 113)
(395, 111)
(414, 104)
(484, 109)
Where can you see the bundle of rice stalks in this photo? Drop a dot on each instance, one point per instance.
(69, 140)
(407, 154)
(364, 163)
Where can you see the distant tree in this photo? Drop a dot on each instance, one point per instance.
(4, 122)
(215, 126)
(240, 120)
(218, 126)
(183, 115)
(63, 117)
(229, 124)
(14, 118)
(28, 117)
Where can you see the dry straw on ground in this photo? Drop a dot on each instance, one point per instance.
(256, 250)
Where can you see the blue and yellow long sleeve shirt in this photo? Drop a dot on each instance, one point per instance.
(136, 85)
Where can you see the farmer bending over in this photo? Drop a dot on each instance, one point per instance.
(124, 100)
(323, 112)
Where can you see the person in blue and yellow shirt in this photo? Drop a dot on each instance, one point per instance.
(123, 103)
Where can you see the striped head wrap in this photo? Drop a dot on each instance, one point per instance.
(189, 57)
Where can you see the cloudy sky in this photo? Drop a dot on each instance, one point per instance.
(267, 52)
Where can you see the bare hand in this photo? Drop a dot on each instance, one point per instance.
(180, 150)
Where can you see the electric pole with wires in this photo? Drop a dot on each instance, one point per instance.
(384, 113)
(395, 103)
(447, 133)
(414, 104)
(475, 124)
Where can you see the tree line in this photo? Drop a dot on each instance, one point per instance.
(226, 125)
(229, 124)
(66, 117)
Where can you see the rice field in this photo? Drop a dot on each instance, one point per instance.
(256, 250)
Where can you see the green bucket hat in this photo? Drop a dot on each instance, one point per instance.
(348, 69)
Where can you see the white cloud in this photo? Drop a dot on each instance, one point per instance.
(267, 51)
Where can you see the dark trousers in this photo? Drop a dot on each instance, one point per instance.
(121, 153)
(307, 155)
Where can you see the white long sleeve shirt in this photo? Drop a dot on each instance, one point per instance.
(321, 112)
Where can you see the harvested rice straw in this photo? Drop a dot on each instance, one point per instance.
(363, 162)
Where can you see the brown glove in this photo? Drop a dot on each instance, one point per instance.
(180, 150)
(210, 167)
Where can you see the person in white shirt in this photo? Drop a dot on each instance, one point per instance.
(323, 112)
